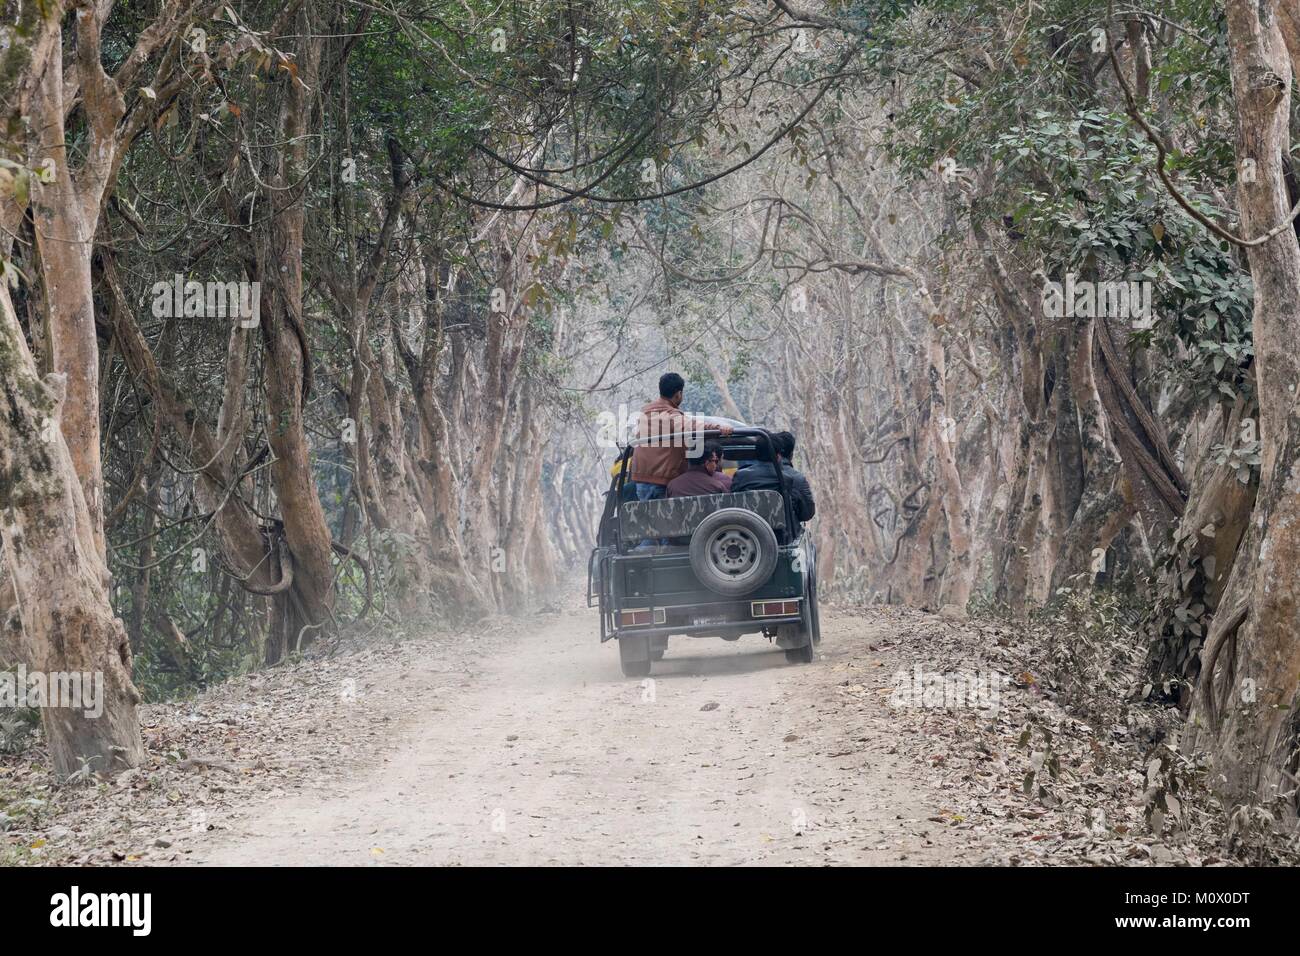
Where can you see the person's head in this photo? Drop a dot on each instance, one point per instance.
(783, 444)
(710, 459)
(671, 386)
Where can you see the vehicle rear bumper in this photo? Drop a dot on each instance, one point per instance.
(706, 630)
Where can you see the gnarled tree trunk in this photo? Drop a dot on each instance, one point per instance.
(58, 576)
(1246, 710)
(307, 606)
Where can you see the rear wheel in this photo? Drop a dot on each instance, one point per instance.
(814, 613)
(634, 656)
(657, 648)
(635, 668)
(800, 655)
(803, 652)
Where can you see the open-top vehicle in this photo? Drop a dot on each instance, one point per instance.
(704, 566)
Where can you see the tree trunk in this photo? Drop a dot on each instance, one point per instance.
(1206, 543)
(64, 228)
(1102, 510)
(308, 605)
(959, 571)
(1246, 710)
(68, 625)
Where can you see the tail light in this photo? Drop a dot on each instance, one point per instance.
(639, 617)
(773, 608)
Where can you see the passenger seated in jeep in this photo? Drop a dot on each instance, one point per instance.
(761, 476)
(701, 476)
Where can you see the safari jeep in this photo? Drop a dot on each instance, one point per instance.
(705, 566)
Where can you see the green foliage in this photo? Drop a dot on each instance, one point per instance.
(617, 83)
(1083, 197)
(1073, 178)
(1244, 459)
(18, 726)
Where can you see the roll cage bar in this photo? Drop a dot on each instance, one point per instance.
(758, 437)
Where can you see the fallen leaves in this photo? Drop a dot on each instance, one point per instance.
(1081, 786)
(210, 757)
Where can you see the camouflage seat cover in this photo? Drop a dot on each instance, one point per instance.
(678, 517)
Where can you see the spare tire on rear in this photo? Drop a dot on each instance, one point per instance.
(733, 551)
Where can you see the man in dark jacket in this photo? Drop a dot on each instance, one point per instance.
(761, 476)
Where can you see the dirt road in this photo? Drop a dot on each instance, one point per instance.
(913, 738)
(547, 755)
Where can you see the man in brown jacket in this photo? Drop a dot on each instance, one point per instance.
(653, 466)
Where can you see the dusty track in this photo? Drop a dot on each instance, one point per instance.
(549, 755)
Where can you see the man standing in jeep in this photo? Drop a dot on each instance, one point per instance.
(654, 465)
